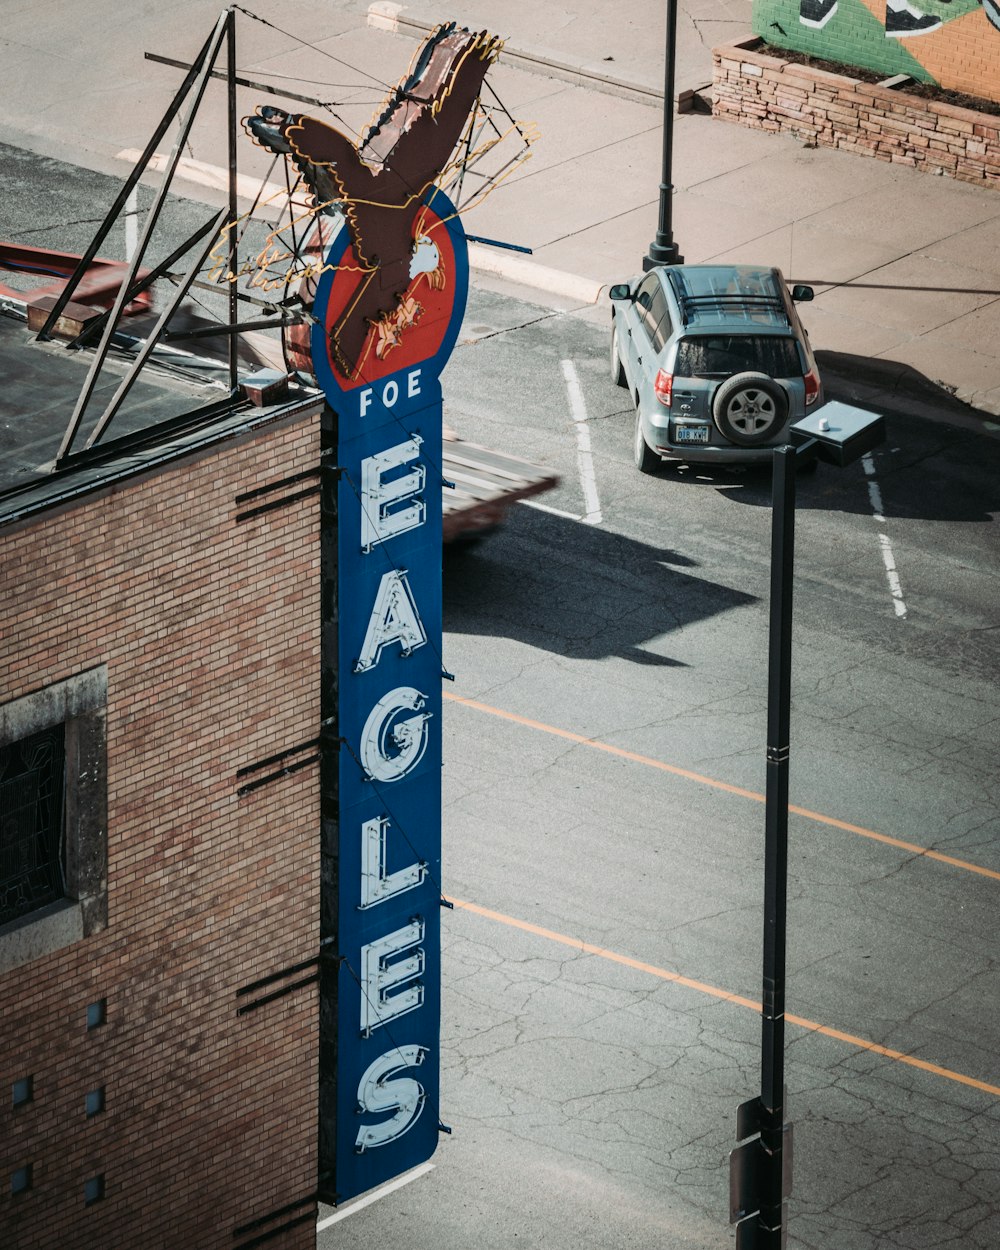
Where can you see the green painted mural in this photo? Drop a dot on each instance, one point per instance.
(954, 43)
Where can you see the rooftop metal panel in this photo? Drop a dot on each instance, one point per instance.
(41, 381)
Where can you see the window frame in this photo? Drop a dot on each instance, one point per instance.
(79, 703)
(683, 364)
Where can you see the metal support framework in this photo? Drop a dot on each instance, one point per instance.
(663, 250)
(143, 284)
(231, 112)
(214, 332)
(193, 86)
(264, 88)
(127, 188)
(102, 333)
(149, 346)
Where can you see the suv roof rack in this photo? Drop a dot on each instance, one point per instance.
(689, 304)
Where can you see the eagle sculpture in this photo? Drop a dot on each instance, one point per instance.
(380, 184)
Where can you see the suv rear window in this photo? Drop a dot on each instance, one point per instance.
(725, 354)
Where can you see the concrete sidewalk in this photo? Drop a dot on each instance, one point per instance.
(906, 266)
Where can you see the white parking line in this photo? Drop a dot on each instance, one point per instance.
(584, 458)
(888, 559)
(349, 1208)
(544, 507)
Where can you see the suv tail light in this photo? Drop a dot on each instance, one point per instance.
(663, 384)
(811, 380)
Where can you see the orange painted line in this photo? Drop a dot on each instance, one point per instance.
(587, 948)
(898, 1056)
(714, 991)
(648, 762)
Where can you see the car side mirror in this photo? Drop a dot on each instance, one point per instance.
(620, 290)
(802, 294)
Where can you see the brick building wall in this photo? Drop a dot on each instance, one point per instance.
(208, 626)
(954, 44)
(816, 106)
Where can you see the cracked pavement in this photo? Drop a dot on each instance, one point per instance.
(599, 1029)
(592, 1101)
(592, 1094)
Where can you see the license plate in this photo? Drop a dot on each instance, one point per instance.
(691, 433)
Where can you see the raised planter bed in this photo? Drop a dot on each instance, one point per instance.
(874, 119)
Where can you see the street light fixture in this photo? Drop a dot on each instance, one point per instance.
(760, 1168)
(663, 250)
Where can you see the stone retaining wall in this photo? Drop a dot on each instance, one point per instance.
(873, 119)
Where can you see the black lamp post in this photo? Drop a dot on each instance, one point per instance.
(760, 1168)
(663, 250)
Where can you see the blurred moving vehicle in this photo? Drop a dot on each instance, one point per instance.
(482, 485)
(716, 360)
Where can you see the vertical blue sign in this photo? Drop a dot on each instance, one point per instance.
(381, 993)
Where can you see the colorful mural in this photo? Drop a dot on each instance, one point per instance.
(953, 43)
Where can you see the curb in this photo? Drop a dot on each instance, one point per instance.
(390, 16)
(387, 15)
(540, 277)
(501, 264)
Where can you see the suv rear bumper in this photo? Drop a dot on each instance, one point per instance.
(720, 452)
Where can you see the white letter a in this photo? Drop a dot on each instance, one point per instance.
(394, 618)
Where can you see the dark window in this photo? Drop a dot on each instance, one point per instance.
(94, 1102)
(653, 312)
(97, 1013)
(722, 355)
(93, 1190)
(647, 289)
(23, 1091)
(664, 328)
(53, 818)
(657, 316)
(31, 823)
(20, 1180)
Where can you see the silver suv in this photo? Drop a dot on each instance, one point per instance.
(716, 359)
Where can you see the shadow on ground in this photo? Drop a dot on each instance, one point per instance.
(576, 590)
(897, 386)
(926, 469)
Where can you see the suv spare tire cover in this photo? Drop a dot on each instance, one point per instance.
(749, 409)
